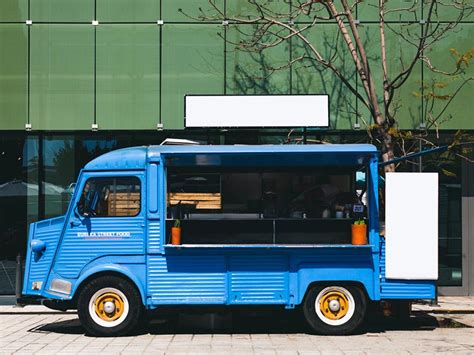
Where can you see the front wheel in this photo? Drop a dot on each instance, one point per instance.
(335, 309)
(109, 306)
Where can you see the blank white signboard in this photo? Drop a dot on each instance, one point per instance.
(411, 226)
(257, 111)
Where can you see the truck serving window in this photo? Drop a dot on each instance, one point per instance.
(274, 205)
(110, 197)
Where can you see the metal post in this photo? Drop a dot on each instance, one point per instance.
(19, 279)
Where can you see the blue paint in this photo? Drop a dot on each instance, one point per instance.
(207, 274)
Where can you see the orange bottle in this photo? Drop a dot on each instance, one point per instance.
(176, 235)
(359, 234)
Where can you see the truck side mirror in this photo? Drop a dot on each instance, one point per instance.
(76, 211)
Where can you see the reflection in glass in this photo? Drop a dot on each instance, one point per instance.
(59, 173)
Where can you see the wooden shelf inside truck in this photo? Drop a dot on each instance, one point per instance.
(201, 200)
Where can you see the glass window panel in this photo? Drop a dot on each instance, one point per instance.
(306, 12)
(396, 10)
(439, 88)
(62, 10)
(406, 105)
(449, 167)
(13, 10)
(128, 10)
(13, 196)
(110, 197)
(190, 11)
(62, 77)
(309, 77)
(244, 9)
(59, 173)
(13, 76)
(193, 63)
(30, 166)
(91, 148)
(449, 10)
(14, 193)
(260, 71)
(128, 64)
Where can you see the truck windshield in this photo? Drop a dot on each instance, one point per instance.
(110, 197)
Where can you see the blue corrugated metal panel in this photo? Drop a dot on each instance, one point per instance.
(187, 279)
(77, 251)
(258, 279)
(154, 236)
(333, 264)
(403, 289)
(49, 232)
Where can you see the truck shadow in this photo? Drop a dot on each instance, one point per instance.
(261, 320)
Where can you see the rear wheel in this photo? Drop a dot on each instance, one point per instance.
(335, 309)
(109, 306)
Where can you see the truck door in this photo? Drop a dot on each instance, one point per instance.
(107, 218)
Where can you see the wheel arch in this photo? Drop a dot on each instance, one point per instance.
(109, 270)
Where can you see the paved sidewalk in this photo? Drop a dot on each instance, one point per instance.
(34, 329)
(449, 304)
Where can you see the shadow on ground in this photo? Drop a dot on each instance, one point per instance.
(253, 320)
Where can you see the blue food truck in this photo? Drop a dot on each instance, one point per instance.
(259, 225)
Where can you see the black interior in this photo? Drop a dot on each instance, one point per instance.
(266, 206)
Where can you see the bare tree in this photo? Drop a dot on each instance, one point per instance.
(274, 25)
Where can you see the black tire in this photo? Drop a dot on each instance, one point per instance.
(347, 319)
(96, 297)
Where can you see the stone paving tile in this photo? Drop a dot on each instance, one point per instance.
(62, 334)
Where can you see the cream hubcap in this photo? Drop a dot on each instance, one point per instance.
(109, 307)
(334, 305)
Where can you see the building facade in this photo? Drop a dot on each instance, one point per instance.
(80, 78)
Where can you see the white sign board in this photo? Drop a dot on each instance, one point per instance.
(257, 111)
(411, 226)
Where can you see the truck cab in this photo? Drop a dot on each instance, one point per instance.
(260, 225)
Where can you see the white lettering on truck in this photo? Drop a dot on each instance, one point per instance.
(104, 234)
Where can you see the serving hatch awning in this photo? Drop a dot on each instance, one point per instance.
(266, 155)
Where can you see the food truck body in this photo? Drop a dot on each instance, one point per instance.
(252, 233)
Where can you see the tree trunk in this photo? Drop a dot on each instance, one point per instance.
(386, 146)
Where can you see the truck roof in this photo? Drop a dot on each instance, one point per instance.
(236, 155)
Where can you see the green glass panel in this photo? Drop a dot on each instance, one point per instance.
(128, 59)
(13, 10)
(13, 76)
(244, 9)
(395, 10)
(310, 77)
(406, 104)
(128, 10)
(62, 77)
(457, 11)
(260, 71)
(62, 10)
(307, 12)
(445, 55)
(191, 11)
(193, 63)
